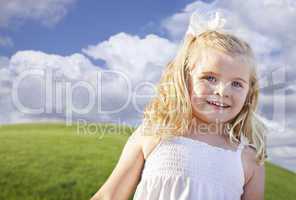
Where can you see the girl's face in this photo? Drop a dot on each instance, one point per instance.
(218, 86)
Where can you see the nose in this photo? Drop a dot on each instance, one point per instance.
(222, 89)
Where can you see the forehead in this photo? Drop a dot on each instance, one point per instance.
(212, 60)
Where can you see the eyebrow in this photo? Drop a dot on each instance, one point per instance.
(237, 78)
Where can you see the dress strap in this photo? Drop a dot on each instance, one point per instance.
(239, 157)
(240, 146)
(243, 142)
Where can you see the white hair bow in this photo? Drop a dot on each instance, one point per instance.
(210, 21)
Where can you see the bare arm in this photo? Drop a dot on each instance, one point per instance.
(126, 174)
(254, 188)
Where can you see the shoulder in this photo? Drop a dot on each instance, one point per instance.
(249, 162)
(255, 175)
(146, 139)
(249, 151)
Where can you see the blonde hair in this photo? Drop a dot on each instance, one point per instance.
(169, 113)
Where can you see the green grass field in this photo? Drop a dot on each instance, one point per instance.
(55, 161)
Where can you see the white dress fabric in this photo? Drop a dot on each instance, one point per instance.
(181, 168)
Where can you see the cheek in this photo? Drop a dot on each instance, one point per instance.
(200, 89)
(240, 98)
(199, 93)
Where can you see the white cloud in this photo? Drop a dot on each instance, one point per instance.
(132, 55)
(32, 89)
(140, 62)
(267, 17)
(70, 67)
(273, 18)
(48, 12)
(137, 59)
(281, 147)
(239, 24)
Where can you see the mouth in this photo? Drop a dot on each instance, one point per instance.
(218, 105)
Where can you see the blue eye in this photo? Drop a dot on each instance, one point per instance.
(237, 84)
(210, 78)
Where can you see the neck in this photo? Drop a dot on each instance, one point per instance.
(198, 126)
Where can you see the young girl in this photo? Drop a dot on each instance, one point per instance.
(201, 138)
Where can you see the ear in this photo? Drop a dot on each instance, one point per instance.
(189, 87)
(189, 82)
(250, 97)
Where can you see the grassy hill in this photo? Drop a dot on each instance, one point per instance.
(55, 161)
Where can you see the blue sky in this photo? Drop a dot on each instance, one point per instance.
(89, 22)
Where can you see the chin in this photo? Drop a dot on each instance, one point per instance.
(214, 119)
(219, 121)
(209, 119)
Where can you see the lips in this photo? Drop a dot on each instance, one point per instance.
(218, 104)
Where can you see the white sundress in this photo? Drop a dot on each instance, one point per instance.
(181, 168)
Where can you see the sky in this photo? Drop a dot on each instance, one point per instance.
(80, 23)
(97, 61)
